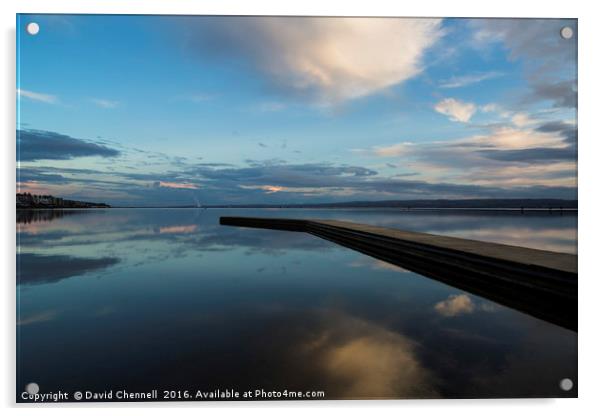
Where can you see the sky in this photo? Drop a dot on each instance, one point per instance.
(179, 110)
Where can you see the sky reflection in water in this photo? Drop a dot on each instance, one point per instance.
(159, 298)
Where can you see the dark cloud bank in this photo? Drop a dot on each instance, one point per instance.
(39, 145)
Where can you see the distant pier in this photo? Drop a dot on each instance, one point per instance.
(538, 282)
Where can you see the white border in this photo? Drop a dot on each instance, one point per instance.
(590, 71)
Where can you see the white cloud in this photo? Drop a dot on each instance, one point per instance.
(37, 96)
(327, 59)
(176, 185)
(270, 189)
(489, 108)
(397, 149)
(462, 81)
(105, 103)
(456, 110)
(518, 119)
(507, 138)
(496, 108)
(521, 120)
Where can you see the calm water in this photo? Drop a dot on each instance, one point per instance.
(142, 299)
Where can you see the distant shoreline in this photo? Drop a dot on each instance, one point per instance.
(563, 205)
(410, 205)
(468, 209)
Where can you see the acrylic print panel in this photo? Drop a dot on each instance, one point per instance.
(277, 208)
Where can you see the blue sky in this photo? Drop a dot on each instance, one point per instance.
(159, 110)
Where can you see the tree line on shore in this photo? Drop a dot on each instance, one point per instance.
(28, 201)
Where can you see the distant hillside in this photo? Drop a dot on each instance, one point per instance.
(425, 203)
(29, 201)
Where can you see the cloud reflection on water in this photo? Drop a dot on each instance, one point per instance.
(34, 269)
(360, 359)
(39, 317)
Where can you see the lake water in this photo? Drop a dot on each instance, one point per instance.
(167, 299)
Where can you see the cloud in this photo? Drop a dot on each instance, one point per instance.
(456, 110)
(176, 185)
(567, 131)
(550, 60)
(397, 149)
(506, 156)
(557, 135)
(105, 103)
(38, 144)
(270, 189)
(465, 80)
(329, 60)
(38, 175)
(489, 108)
(328, 181)
(560, 137)
(509, 118)
(504, 137)
(561, 93)
(521, 120)
(538, 39)
(531, 155)
(36, 96)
